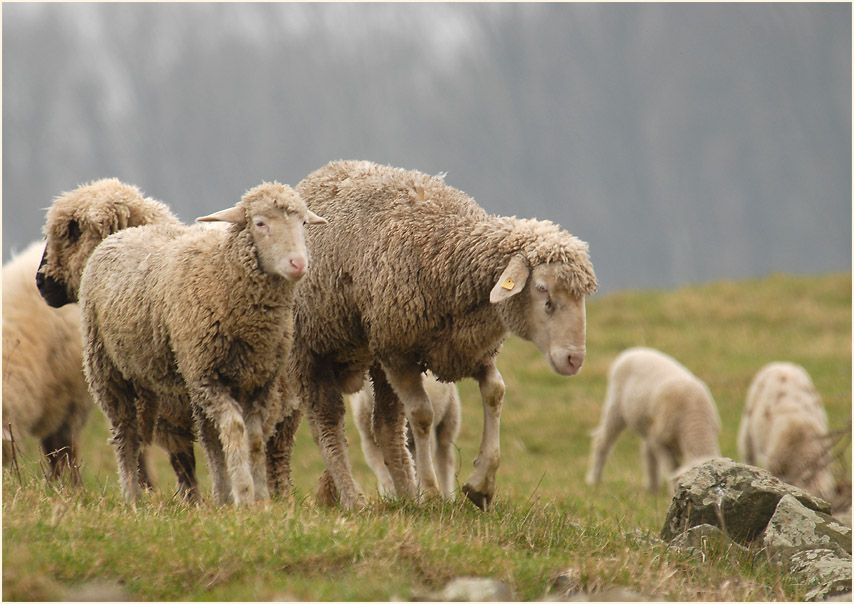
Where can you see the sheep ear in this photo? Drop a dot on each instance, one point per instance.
(511, 281)
(233, 214)
(312, 218)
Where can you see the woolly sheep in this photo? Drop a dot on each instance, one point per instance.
(75, 225)
(178, 319)
(667, 405)
(784, 429)
(414, 274)
(445, 400)
(44, 391)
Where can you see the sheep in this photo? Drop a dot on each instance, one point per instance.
(445, 400)
(411, 274)
(185, 319)
(784, 429)
(44, 391)
(671, 409)
(75, 225)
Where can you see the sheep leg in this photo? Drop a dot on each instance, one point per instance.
(233, 442)
(371, 450)
(324, 409)
(389, 457)
(178, 442)
(444, 454)
(409, 388)
(257, 455)
(61, 452)
(112, 393)
(280, 447)
(480, 487)
(610, 427)
(209, 439)
(650, 465)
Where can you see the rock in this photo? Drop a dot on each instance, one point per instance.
(476, 589)
(706, 540)
(794, 527)
(824, 571)
(737, 498)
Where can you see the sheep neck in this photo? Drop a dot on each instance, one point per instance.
(247, 279)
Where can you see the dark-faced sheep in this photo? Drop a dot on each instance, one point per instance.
(200, 319)
(671, 409)
(411, 274)
(784, 429)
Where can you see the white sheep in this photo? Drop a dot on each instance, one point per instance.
(180, 319)
(671, 409)
(44, 391)
(784, 429)
(411, 274)
(445, 400)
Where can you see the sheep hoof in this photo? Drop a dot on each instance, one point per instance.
(481, 500)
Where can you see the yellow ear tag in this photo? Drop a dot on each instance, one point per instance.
(508, 284)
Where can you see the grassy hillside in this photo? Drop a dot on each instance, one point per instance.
(546, 519)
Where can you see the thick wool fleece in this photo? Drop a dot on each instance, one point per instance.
(405, 267)
(171, 313)
(80, 219)
(44, 392)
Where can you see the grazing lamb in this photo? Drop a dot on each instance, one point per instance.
(44, 391)
(784, 429)
(178, 319)
(411, 274)
(445, 400)
(667, 405)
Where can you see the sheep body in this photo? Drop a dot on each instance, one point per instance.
(412, 274)
(182, 320)
(44, 391)
(784, 429)
(671, 409)
(445, 400)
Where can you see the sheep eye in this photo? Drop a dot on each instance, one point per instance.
(260, 224)
(541, 288)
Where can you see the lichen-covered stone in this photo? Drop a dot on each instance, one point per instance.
(706, 540)
(795, 527)
(824, 571)
(737, 498)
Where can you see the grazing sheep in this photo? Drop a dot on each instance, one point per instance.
(182, 319)
(445, 400)
(44, 392)
(411, 274)
(784, 429)
(667, 405)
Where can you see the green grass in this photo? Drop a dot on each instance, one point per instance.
(545, 520)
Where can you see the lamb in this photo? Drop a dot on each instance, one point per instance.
(445, 400)
(44, 391)
(411, 274)
(667, 405)
(784, 429)
(179, 319)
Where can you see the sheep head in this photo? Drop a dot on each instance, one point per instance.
(275, 216)
(78, 221)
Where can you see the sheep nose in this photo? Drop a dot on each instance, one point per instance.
(298, 265)
(575, 360)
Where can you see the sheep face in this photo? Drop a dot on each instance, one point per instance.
(275, 217)
(552, 317)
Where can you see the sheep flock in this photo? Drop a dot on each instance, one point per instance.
(365, 281)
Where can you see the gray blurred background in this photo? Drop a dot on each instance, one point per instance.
(684, 142)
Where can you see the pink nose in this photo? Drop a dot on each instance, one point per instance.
(298, 264)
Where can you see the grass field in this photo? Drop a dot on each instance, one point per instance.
(546, 520)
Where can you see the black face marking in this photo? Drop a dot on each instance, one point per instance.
(52, 290)
(73, 231)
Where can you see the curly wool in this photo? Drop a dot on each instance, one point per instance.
(79, 220)
(405, 268)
